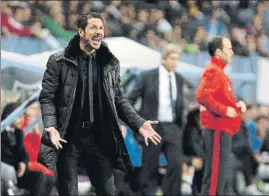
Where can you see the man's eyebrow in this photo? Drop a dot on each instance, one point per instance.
(95, 25)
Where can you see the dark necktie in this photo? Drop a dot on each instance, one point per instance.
(91, 89)
(171, 97)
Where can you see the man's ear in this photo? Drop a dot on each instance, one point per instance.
(81, 32)
(218, 52)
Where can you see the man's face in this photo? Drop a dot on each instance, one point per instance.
(171, 61)
(93, 34)
(33, 110)
(262, 127)
(264, 110)
(253, 112)
(227, 52)
(18, 121)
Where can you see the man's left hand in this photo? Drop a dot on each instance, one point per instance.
(242, 106)
(148, 132)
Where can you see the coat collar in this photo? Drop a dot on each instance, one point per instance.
(103, 55)
(218, 62)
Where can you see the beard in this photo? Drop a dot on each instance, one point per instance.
(87, 44)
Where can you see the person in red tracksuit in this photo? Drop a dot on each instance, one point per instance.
(220, 117)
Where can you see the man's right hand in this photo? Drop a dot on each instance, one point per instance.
(55, 137)
(231, 113)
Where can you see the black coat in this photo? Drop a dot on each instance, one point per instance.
(58, 94)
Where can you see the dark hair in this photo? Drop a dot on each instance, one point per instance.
(31, 102)
(214, 44)
(83, 19)
(8, 109)
(249, 106)
(261, 117)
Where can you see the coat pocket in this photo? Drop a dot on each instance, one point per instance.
(48, 156)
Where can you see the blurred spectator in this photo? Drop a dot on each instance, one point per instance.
(215, 25)
(12, 148)
(245, 13)
(263, 154)
(21, 23)
(56, 29)
(251, 114)
(263, 44)
(12, 27)
(33, 177)
(201, 39)
(141, 22)
(238, 42)
(256, 25)
(151, 38)
(177, 37)
(251, 44)
(158, 18)
(261, 131)
(243, 157)
(264, 110)
(193, 145)
(32, 112)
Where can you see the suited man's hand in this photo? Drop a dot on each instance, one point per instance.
(197, 163)
(148, 132)
(22, 169)
(123, 130)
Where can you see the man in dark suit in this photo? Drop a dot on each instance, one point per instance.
(161, 90)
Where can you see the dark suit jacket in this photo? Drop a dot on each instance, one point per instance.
(147, 87)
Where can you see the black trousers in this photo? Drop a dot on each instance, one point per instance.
(171, 145)
(98, 166)
(218, 151)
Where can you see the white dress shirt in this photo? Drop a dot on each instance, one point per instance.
(165, 112)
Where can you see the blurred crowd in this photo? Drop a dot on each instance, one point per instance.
(189, 24)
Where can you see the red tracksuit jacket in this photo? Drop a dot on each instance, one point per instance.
(215, 94)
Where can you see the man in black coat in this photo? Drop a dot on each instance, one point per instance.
(81, 101)
(161, 90)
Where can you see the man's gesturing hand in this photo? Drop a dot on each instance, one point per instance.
(148, 132)
(55, 137)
